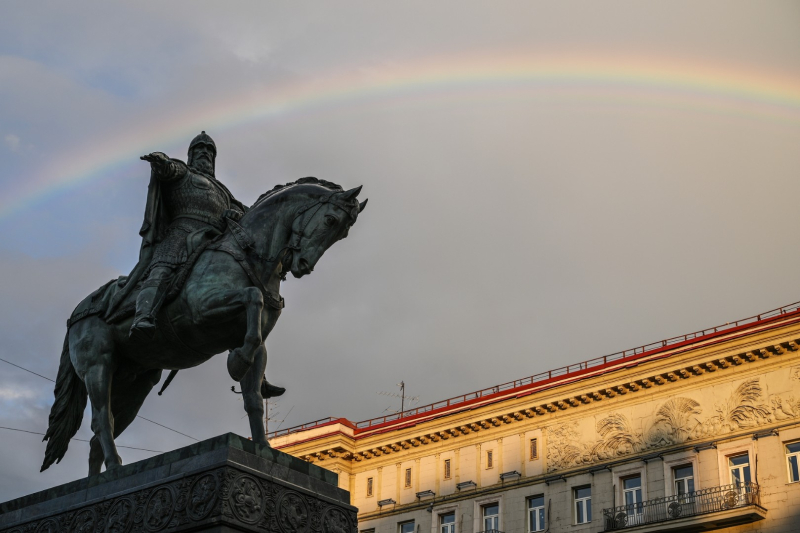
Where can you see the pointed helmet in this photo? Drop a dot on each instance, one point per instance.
(202, 138)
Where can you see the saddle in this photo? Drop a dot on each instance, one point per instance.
(197, 243)
(97, 303)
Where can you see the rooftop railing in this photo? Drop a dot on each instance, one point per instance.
(302, 427)
(564, 371)
(694, 503)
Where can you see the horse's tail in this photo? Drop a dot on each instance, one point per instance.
(67, 411)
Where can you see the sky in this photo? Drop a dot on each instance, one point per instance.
(548, 182)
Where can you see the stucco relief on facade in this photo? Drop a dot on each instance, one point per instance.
(675, 421)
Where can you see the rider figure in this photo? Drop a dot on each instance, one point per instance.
(184, 199)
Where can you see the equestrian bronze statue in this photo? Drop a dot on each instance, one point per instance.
(208, 280)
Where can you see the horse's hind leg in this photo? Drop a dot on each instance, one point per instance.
(251, 394)
(92, 354)
(126, 400)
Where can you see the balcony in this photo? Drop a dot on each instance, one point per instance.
(491, 531)
(701, 510)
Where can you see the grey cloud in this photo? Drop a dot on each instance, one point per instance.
(505, 235)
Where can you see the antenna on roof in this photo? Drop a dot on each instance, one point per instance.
(402, 396)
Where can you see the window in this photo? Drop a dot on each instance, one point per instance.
(489, 457)
(632, 494)
(491, 517)
(447, 523)
(408, 477)
(534, 449)
(406, 527)
(740, 469)
(793, 457)
(583, 505)
(536, 513)
(684, 479)
(369, 487)
(447, 468)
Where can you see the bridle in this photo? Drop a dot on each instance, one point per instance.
(298, 234)
(247, 243)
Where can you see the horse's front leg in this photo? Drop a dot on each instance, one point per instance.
(251, 394)
(220, 306)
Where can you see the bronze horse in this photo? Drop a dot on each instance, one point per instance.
(230, 300)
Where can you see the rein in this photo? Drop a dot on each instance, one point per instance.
(246, 243)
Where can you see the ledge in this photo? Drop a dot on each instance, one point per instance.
(708, 522)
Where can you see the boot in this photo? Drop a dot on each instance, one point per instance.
(268, 390)
(144, 321)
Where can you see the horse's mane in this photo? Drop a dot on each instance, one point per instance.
(302, 181)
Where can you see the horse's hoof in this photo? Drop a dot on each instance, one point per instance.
(237, 365)
(268, 390)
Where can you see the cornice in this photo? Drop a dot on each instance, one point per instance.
(497, 421)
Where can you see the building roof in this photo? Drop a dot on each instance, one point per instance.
(552, 378)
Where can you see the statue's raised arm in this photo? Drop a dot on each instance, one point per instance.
(185, 204)
(163, 168)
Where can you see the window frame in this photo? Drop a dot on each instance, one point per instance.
(406, 522)
(370, 487)
(626, 472)
(730, 467)
(477, 512)
(489, 459)
(533, 445)
(637, 507)
(675, 479)
(408, 478)
(439, 517)
(495, 517)
(730, 449)
(688, 457)
(447, 469)
(789, 455)
(441, 511)
(587, 505)
(543, 507)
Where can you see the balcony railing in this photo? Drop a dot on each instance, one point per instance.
(491, 531)
(695, 503)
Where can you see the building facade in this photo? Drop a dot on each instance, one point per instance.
(695, 433)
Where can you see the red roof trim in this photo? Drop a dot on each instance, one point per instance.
(614, 361)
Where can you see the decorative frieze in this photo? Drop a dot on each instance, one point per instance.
(675, 421)
(208, 499)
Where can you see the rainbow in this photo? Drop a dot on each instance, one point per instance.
(628, 81)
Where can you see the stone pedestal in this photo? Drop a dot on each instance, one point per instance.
(224, 484)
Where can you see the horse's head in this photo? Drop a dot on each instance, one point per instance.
(300, 220)
(320, 224)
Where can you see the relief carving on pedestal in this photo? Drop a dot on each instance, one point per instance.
(83, 522)
(292, 513)
(158, 509)
(675, 421)
(247, 499)
(225, 492)
(49, 526)
(120, 516)
(202, 496)
(336, 521)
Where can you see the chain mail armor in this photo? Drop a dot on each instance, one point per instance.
(193, 202)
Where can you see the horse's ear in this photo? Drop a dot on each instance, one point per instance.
(362, 205)
(352, 193)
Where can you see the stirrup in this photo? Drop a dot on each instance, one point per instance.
(143, 329)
